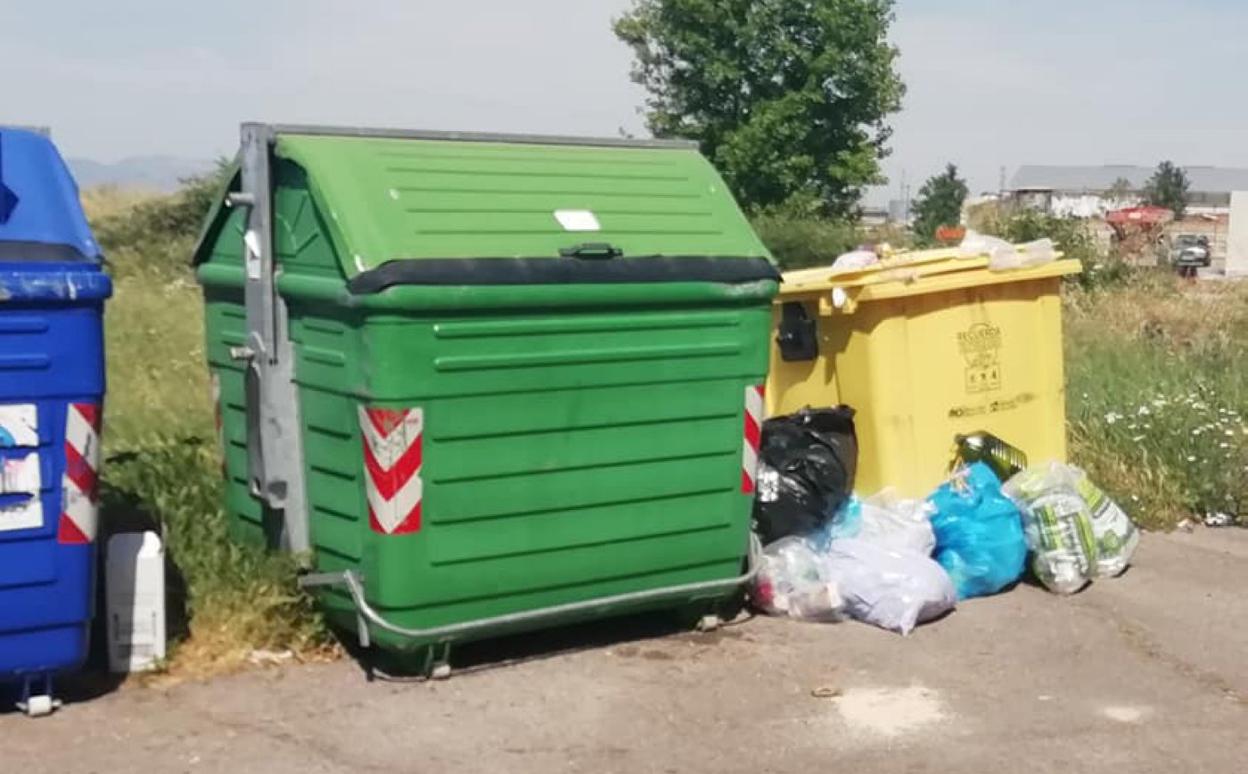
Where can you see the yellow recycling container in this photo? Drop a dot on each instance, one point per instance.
(925, 346)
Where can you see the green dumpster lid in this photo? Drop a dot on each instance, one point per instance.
(419, 197)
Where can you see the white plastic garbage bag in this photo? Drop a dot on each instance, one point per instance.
(975, 244)
(855, 260)
(1003, 256)
(892, 589)
(1024, 256)
(890, 521)
(792, 582)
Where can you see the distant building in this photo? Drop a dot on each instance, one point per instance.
(1089, 192)
(899, 211)
(874, 216)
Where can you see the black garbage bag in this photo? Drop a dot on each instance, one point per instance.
(806, 471)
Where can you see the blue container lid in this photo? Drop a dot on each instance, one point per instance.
(47, 252)
(41, 218)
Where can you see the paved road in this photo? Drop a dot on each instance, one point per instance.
(1143, 674)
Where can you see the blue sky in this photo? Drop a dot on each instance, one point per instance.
(991, 84)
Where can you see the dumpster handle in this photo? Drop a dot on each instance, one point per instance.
(592, 250)
(365, 614)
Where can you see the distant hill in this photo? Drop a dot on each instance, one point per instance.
(154, 173)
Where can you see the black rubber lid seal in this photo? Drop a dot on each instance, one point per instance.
(562, 271)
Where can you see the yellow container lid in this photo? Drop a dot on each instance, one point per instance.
(908, 274)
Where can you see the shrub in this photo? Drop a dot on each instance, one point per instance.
(156, 234)
(798, 243)
(1073, 236)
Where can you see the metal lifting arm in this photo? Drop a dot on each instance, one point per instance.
(274, 449)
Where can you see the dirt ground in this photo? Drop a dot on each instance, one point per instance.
(1142, 674)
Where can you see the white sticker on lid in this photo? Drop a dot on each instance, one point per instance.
(577, 220)
(19, 425)
(20, 476)
(26, 515)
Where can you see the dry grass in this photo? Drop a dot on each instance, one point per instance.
(107, 201)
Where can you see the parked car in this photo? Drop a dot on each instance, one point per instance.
(1190, 250)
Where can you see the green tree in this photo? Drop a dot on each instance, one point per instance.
(1121, 190)
(788, 98)
(939, 203)
(1168, 188)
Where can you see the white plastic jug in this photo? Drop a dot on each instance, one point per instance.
(135, 592)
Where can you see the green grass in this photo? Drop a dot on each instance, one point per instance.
(1157, 396)
(162, 466)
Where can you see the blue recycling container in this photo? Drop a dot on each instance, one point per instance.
(52, 293)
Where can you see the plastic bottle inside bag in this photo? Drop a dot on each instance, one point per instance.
(1058, 526)
(1116, 535)
(792, 582)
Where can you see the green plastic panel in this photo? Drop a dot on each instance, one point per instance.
(388, 199)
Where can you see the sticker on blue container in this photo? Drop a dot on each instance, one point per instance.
(19, 426)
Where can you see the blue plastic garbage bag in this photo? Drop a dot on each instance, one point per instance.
(979, 533)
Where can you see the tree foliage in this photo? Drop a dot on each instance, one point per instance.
(1121, 190)
(939, 203)
(1168, 188)
(788, 98)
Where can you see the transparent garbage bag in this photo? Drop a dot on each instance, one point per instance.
(1116, 535)
(792, 581)
(1074, 531)
(1004, 256)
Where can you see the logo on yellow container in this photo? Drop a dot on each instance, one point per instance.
(981, 348)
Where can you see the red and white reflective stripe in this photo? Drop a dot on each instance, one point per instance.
(754, 412)
(392, 441)
(80, 507)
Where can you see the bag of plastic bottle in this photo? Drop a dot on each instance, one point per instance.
(792, 581)
(979, 533)
(1075, 531)
(806, 472)
(892, 589)
(1116, 535)
(1058, 526)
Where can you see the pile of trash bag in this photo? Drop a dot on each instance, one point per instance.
(870, 562)
(897, 563)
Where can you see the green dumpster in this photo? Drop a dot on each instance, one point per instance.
(487, 383)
